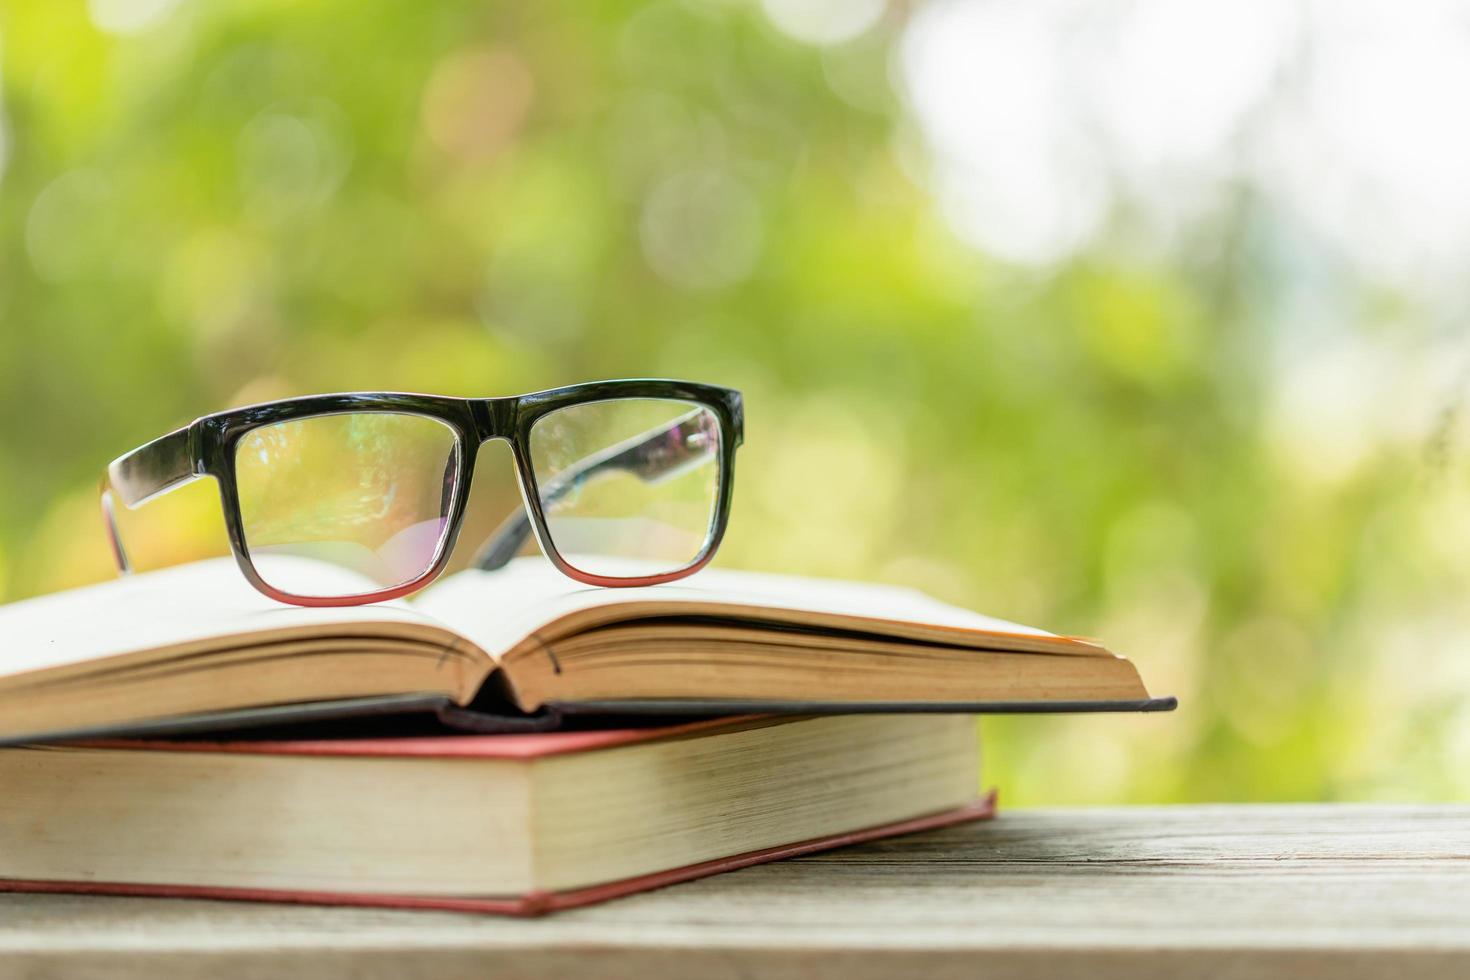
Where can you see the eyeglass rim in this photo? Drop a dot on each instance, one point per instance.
(206, 448)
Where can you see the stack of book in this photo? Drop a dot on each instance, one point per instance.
(507, 742)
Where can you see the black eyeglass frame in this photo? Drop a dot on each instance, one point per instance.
(206, 447)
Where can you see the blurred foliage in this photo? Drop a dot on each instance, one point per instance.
(258, 199)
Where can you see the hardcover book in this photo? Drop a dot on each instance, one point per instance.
(516, 824)
(194, 648)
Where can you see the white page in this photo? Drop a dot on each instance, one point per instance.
(498, 609)
(211, 601)
(185, 604)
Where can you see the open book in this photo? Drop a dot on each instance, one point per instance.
(195, 648)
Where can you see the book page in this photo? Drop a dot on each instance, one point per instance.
(173, 607)
(497, 610)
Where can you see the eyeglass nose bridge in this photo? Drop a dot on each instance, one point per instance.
(495, 418)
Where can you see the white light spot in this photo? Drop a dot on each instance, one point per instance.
(1015, 173)
(128, 16)
(823, 21)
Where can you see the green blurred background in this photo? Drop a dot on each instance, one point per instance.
(1119, 321)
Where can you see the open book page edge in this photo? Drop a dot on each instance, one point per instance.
(442, 646)
(188, 610)
(529, 603)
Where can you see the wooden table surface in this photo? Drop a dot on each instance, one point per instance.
(1218, 891)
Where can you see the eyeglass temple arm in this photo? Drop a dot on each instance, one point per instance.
(658, 454)
(151, 469)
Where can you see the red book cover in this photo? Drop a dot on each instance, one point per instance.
(528, 746)
(536, 745)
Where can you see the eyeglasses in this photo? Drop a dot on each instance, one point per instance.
(336, 500)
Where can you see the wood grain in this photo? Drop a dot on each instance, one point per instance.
(1215, 891)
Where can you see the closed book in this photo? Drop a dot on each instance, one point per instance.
(513, 824)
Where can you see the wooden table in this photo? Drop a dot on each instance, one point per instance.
(1217, 891)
